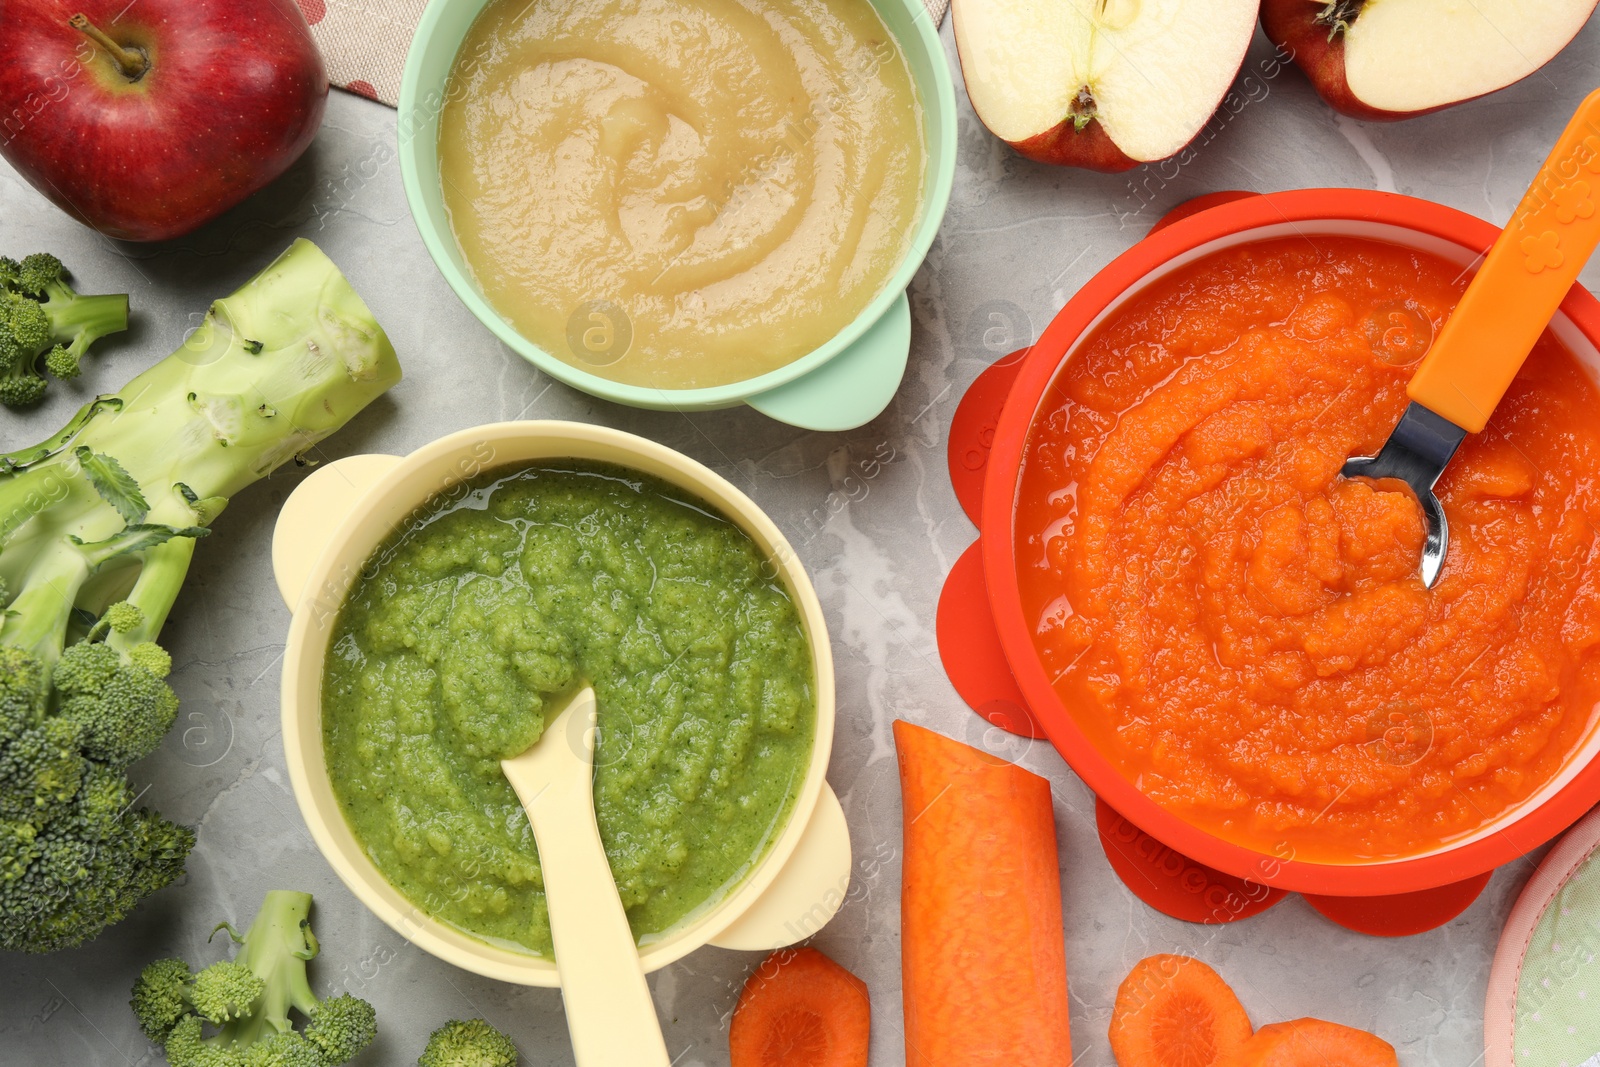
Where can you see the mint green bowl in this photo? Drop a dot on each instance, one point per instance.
(843, 384)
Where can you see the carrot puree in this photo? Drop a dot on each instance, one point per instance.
(1241, 631)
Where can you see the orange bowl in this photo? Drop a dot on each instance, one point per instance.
(1215, 223)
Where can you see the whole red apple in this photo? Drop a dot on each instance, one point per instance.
(146, 120)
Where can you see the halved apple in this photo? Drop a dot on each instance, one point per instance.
(1392, 59)
(1102, 84)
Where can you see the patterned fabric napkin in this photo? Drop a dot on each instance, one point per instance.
(364, 42)
(1558, 996)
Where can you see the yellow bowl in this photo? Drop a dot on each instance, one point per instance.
(329, 528)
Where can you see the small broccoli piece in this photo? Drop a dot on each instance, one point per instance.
(17, 850)
(121, 617)
(151, 657)
(123, 709)
(41, 770)
(27, 331)
(469, 1043)
(285, 1050)
(161, 997)
(62, 363)
(249, 1000)
(20, 691)
(186, 1047)
(21, 384)
(46, 325)
(225, 991)
(38, 272)
(341, 1027)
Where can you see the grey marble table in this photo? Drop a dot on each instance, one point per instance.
(1018, 240)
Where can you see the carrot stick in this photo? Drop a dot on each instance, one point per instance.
(983, 957)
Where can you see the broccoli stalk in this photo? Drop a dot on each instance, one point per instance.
(97, 530)
(469, 1043)
(45, 322)
(249, 1000)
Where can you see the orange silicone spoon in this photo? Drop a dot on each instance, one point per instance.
(1510, 301)
(1522, 281)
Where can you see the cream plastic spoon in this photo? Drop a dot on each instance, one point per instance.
(610, 1015)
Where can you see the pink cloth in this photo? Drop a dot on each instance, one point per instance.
(364, 42)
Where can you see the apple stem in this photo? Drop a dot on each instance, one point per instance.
(133, 61)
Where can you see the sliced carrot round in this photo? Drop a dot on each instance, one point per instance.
(1175, 1011)
(1315, 1043)
(801, 1009)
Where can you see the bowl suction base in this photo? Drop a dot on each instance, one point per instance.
(1402, 914)
(969, 644)
(1171, 882)
(969, 647)
(1186, 889)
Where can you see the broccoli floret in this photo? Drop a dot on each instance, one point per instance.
(469, 1043)
(21, 384)
(63, 363)
(46, 325)
(186, 1047)
(249, 1000)
(17, 851)
(115, 501)
(91, 864)
(20, 691)
(120, 618)
(41, 770)
(285, 1050)
(226, 991)
(27, 330)
(36, 274)
(124, 710)
(341, 1027)
(152, 658)
(84, 856)
(161, 997)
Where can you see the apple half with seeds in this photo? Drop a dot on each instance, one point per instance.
(1392, 59)
(1101, 84)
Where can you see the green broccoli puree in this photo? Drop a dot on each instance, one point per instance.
(499, 600)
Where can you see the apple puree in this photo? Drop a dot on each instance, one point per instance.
(681, 193)
(1243, 632)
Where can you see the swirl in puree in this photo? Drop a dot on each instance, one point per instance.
(681, 193)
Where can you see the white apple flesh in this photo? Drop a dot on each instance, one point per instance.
(1391, 59)
(1103, 84)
